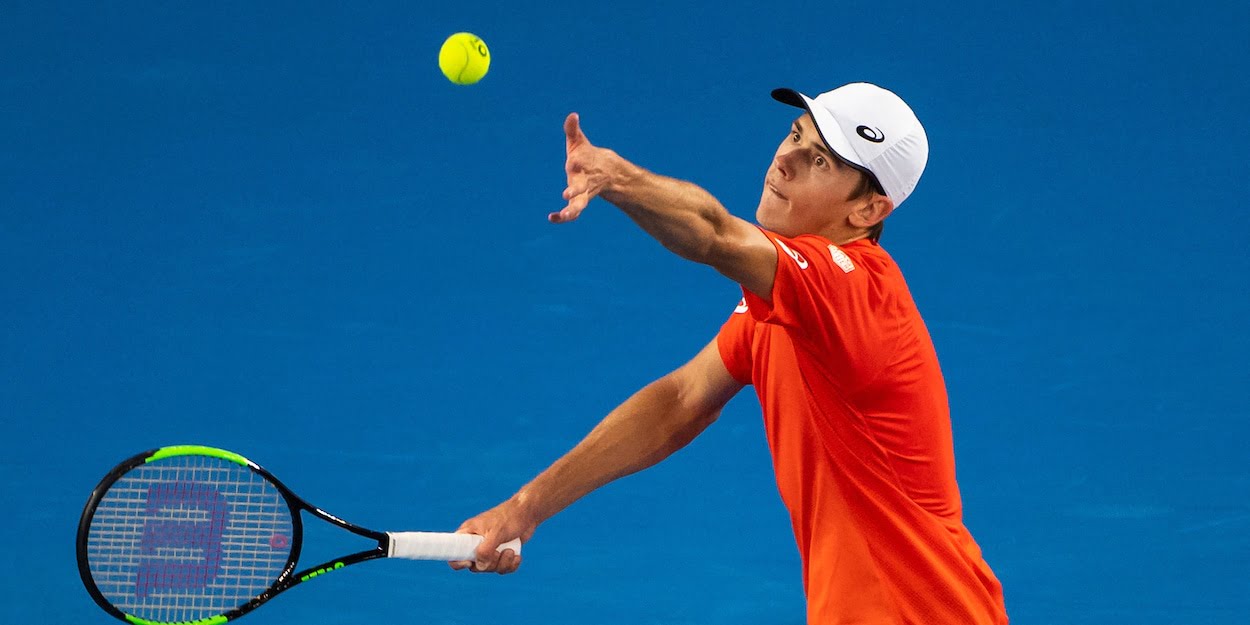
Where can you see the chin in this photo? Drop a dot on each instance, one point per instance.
(771, 221)
(764, 220)
(768, 216)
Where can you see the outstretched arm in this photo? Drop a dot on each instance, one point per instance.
(682, 216)
(648, 427)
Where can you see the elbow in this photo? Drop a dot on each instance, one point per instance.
(696, 413)
(688, 414)
(707, 417)
(687, 428)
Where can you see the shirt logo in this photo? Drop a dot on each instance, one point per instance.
(798, 258)
(742, 306)
(841, 259)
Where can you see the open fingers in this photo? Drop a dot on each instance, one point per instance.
(576, 205)
(574, 189)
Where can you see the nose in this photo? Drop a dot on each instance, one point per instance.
(786, 163)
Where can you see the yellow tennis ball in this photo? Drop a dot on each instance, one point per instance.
(464, 58)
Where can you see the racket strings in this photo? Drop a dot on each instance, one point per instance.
(188, 537)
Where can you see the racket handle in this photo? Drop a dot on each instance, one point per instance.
(441, 546)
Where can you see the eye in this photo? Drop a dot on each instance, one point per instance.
(794, 136)
(820, 161)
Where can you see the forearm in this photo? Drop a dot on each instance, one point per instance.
(645, 429)
(682, 216)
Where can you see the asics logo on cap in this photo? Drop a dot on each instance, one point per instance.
(872, 134)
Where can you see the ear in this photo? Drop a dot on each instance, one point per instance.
(876, 208)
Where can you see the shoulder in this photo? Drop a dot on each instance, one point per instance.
(857, 257)
(866, 255)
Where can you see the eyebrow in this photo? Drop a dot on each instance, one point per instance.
(820, 145)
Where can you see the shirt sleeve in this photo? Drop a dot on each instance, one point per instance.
(734, 342)
(816, 283)
(832, 303)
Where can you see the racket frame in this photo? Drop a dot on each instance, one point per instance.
(287, 579)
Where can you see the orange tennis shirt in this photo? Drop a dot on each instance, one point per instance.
(858, 424)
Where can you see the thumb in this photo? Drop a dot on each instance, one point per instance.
(468, 527)
(573, 134)
(486, 552)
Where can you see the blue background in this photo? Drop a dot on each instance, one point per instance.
(278, 229)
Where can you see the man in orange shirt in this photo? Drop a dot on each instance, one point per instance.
(854, 403)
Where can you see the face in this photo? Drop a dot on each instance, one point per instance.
(807, 188)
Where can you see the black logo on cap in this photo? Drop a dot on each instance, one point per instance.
(872, 134)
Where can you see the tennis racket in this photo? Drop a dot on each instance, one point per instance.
(198, 536)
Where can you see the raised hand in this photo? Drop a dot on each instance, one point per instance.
(586, 168)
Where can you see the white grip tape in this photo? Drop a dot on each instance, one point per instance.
(442, 546)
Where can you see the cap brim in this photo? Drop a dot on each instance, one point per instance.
(827, 127)
(789, 96)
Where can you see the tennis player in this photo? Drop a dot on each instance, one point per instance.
(854, 404)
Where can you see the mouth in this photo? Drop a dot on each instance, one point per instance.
(775, 191)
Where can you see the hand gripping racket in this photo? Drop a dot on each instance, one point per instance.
(199, 536)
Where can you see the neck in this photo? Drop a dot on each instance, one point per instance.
(844, 235)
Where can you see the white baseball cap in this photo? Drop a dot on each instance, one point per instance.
(872, 129)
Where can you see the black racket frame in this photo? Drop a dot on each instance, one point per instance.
(285, 581)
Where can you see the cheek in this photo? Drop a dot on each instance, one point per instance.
(817, 201)
(831, 190)
(808, 198)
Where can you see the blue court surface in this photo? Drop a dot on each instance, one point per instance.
(276, 228)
